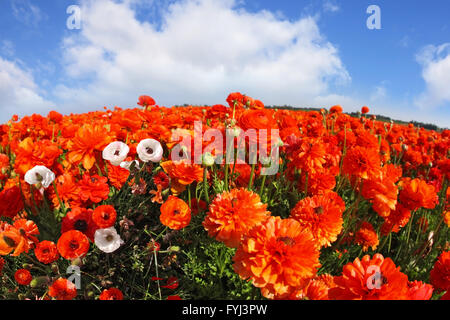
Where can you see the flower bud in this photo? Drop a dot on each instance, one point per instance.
(39, 282)
(208, 159)
(174, 248)
(76, 262)
(236, 132)
(55, 268)
(265, 161)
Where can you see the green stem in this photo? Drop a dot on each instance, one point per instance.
(410, 226)
(226, 175)
(262, 186)
(189, 195)
(205, 185)
(61, 204)
(252, 173)
(157, 274)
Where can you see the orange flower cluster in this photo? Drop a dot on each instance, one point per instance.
(322, 216)
(375, 278)
(175, 213)
(346, 185)
(232, 214)
(17, 238)
(278, 255)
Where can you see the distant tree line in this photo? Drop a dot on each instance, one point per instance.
(427, 126)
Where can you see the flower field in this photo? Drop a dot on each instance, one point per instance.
(233, 201)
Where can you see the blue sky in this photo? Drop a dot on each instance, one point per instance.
(302, 53)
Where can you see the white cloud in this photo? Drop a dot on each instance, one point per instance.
(435, 61)
(379, 93)
(18, 91)
(330, 6)
(26, 12)
(201, 51)
(7, 48)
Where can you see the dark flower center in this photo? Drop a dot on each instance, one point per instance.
(74, 245)
(149, 150)
(287, 241)
(176, 211)
(318, 210)
(80, 225)
(117, 152)
(10, 242)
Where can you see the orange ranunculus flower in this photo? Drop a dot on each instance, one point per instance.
(67, 190)
(336, 109)
(440, 274)
(316, 288)
(257, 119)
(310, 156)
(87, 141)
(30, 153)
(235, 99)
(366, 236)
(93, 188)
(62, 289)
(419, 290)
(232, 214)
(27, 229)
(365, 110)
(318, 183)
(382, 190)
(175, 213)
(397, 219)
(73, 244)
(11, 202)
(182, 174)
(13, 240)
(46, 252)
(79, 219)
(278, 255)
(416, 193)
(375, 278)
(23, 277)
(111, 294)
(4, 165)
(361, 162)
(117, 176)
(322, 216)
(104, 216)
(447, 218)
(145, 101)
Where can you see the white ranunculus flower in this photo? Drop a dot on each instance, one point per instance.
(115, 152)
(40, 174)
(149, 150)
(127, 164)
(107, 240)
